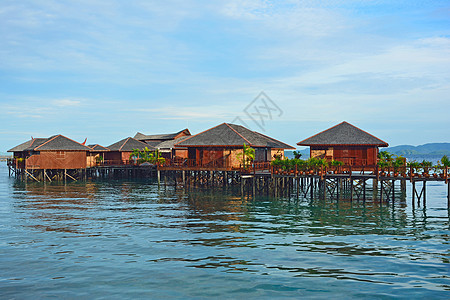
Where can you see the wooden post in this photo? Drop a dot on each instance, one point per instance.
(70, 177)
(381, 190)
(448, 195)
(254, 186)
(31, 175)
(159, 177)
(375, 188)
(351, 188)
(276, 186)
(393, 191)
(403, 188)
(413, 192)
(424, 192)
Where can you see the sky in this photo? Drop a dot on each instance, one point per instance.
(104, 70)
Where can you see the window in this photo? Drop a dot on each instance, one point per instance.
(60, 155)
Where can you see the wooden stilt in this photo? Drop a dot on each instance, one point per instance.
(254, 186)
(31, 175)
(374, 189)
(393, 191)
(424, 190)
(448, 195)
(68, 175)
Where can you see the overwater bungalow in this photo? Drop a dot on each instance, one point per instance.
(56, 152)
(97, 155)
(119, 152)
(168, 150)
(155, 139)
(347, 143)
(219, 147)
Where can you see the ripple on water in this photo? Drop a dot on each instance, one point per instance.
(132, 239)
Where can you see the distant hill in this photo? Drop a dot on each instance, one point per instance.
(426, 149)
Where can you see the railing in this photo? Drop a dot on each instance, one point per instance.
(181, 163)
(217, 164)
(256, 167)
(350, 161)
(402, 172)
(414, 172)
(116, 162)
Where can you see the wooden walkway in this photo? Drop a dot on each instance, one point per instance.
(374, 185)
(349, 182)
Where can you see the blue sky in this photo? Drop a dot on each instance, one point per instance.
(107, 69)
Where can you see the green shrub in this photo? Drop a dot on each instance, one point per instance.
(445, 161)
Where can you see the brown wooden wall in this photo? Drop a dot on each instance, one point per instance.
(354, 155)
(183, 153)
(57, 160)
(227, 156)
(117, 157)
(113, 156)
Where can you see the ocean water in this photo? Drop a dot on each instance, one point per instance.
(119, 239)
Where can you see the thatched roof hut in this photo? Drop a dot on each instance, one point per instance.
(219, 146)
(345, 142)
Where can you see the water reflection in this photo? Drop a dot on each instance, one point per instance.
(205, 229)
(211, 211)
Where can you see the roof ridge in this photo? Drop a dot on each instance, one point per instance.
(199, 133)
(321, 132)
(250, 144)
(49, 139)
(270, 138)
(120, 148)
(367, 133)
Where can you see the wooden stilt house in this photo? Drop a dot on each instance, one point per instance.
(96, 156)
(56, 152)
(219, 146)
(347, 143)
(168, 150)
(119, 152)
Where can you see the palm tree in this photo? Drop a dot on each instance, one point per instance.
(248, 155)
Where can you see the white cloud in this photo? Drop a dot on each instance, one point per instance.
(290, 18)
(66, 102)
(209, 112)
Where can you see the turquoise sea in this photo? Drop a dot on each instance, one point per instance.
(135, 240)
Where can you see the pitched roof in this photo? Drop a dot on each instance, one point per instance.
(128, 144)
(56, 143)
(343, 134)
(60, 142)
(170, 144)
(28, 145)
(231, 135)
(168, 136)
(98, 147)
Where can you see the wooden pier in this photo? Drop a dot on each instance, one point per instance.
(343, 183)
(368, 183)
(119, 171)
